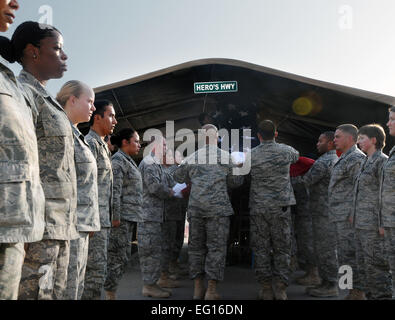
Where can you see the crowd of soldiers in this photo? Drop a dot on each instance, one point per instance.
(69, 208)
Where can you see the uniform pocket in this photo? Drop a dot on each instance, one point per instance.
(15, 194)
(56, 124)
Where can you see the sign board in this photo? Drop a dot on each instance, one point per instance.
(215, 87)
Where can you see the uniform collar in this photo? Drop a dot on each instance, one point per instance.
(97, 137)
(28, 78)
(267, 142)
(392, 151)
(349, 151)
(125, 155)
(4, 68)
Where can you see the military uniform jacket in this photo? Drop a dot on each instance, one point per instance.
(210, 181)
(102, 155)
(174, 206)
(56, 156)
(367, 192)
(88, 217)
(317, 181)
(342, 183)
(128, 188)
(155, 189)
(270, 177)
(21, 194)
(387, 200)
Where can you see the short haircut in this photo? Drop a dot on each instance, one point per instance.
(329, 135)
(267, 129)
(374, 130)
(350, 129)
(391, 109)
(101, 106)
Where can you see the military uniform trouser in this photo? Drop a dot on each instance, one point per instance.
(169, 230)
(324, 237)
(11, 261)
(207, 246)
(270, 234)
(304, 238)
(119, 251)
(346, 252)
(389, 238)
(44, 273)
(96, 267)
(77, 267)
(294, 247)
(149, 238)
(179, 239)
(371, 258)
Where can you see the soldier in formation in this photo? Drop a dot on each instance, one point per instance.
(77, 100)
(209, 168)
(128, 206)
(150, 230)
(365, 216)
(387, 200)
(271, 196)
(324, 240)
(22, 197)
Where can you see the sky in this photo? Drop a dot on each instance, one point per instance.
(348, 42)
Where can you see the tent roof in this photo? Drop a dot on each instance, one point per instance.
(148, 101)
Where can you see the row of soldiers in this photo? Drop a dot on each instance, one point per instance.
(68, 209)
(350, 208)
(350, 216)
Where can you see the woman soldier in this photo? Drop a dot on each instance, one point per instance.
(369, 244)
(39, 49)
(77, 100)
(128, 201)
(21, 194)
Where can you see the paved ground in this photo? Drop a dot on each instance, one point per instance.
(239, 284)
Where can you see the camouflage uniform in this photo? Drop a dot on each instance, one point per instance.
(96, 268)
(387, 210)
(271, 196)
(341, 203)
(369, 245)
(303, 226)
(174, 215)
(21, 194)
(88, 218)
(317, 180)
(209, 209)
(149, 231)
(128, 206)
(58, 177)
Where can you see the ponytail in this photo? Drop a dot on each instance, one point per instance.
(7, 50)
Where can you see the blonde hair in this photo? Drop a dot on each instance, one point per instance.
(71, 88)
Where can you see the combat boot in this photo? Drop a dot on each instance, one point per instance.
(311, 277)
(211, 293)
(355, 294)
(266, 291)
(280, 290)
(166, 282)
(154, 291)
(199, 289)
(326, 290)
(111, 295)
